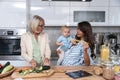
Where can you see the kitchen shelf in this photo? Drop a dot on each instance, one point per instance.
(91, 16)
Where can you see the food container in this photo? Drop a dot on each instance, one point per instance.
(108, 71)
(97, 70)
(105, 53)
(117, 76)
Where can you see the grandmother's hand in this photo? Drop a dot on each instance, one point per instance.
(46, 61)
(33, 63)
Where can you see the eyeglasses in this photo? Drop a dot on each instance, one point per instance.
(42, 26)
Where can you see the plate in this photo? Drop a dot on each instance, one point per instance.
(7, 73)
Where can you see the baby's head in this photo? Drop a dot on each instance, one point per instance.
(65, 30)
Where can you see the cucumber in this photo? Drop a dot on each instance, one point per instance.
(6, 64)
(7, 68)
(31, 70)
(24, 72)
(38, 71)
(46, 68)
(40, 67)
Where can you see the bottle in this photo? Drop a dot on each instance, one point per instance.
(105, 53)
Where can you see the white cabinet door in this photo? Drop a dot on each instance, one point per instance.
(61, 16)
(99, 3)
(46, 12)
(12, 14)
(115, 3)
(45, 9)
(54, 16)
(99, 9)
(114, 16)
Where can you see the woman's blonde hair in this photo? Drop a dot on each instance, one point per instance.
(35, 22)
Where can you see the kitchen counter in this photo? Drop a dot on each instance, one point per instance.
(62, 76)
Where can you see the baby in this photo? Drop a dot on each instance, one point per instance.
(64, 43)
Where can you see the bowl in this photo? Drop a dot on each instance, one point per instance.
(7, 73)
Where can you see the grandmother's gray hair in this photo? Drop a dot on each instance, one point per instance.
(35, 22)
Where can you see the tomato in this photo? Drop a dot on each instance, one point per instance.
(1, 66)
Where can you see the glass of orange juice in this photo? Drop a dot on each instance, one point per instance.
(105, 53)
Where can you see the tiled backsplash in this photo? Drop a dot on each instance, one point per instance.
(54, 33)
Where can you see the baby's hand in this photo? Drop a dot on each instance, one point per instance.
(73, 41)
(61, 44)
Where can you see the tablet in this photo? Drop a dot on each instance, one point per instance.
(78, 74)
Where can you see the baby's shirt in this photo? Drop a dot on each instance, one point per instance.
(66, 41)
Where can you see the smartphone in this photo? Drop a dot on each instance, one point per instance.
(78, 74)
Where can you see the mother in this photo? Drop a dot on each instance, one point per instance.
(80, 53)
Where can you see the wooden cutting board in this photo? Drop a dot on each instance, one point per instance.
(33, 75)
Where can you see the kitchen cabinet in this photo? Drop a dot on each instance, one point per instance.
(79, 4)
(114, 10)
(46, 12)
(15, 13)
(12, 14)
(54, 14)
(62, 12)
(43, 9)
(62, 3)
(102, 3)
(39, 3)
(61, 16)
(114, 16)
(115, 3)
(93, 18)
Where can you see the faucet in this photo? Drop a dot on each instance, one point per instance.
(112, 51)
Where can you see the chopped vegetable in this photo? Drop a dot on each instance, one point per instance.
(116, 69)
(24, 72)
(1, 66)
(6, 64)
(25, 68)
(46, 67)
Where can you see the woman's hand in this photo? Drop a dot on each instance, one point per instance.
(33, 63)
(85, 45)
(46, 61)
(86, 57)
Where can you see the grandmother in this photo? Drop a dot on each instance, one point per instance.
(35, 46)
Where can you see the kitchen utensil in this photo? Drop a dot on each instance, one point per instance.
(33, 75)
